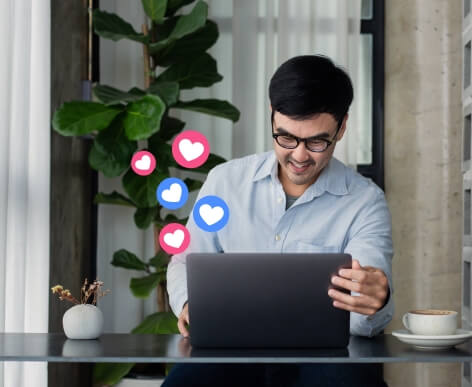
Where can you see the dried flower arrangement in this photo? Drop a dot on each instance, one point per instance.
(87, 290)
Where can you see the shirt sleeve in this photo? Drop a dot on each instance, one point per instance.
(370, 242)
(200, 241)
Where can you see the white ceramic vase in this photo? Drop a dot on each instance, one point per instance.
(83, 321)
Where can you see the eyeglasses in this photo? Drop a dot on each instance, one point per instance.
(313, 144)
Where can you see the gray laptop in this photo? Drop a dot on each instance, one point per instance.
(265, 300)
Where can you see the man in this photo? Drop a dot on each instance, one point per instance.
(298, 198)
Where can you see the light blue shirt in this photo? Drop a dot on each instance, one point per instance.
(341, 212)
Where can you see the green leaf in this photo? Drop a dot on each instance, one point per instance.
(200, 72)
(144, 216)
(110, 373)
(192, 184)
(185, 25)
(143, 286)
(113, 142)
(127, 260)
(155, 9)
(113, 198)
(80, 117)
(161, 323)
(109, 95)
(191, 22)
(213, 107)
(189, 46)
(142, 189)
(174, 5)
(167, 91)
(143, 117)
(111, 26)
(170, 126)
(163, 153)
(162, 31)
(160, 260)
(101, 161)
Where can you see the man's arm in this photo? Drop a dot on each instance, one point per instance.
(370, 242)
(200, 241)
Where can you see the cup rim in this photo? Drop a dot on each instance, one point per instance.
(415, 312)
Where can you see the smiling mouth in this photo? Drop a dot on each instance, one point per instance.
(298, 168)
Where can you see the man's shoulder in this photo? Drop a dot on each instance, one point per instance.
(359, 185)
(241, 168)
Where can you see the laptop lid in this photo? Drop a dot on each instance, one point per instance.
(265, 300)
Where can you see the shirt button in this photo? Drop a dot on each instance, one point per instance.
(277, 237)
(279, 200)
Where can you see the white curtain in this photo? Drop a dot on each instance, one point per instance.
(256, 36)
(24, 179)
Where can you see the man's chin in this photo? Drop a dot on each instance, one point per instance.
(300, 179)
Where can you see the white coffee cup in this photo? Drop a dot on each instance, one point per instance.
(432, 322)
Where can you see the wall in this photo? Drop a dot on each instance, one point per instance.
(423, 178)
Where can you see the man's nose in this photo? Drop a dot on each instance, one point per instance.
(300, 153)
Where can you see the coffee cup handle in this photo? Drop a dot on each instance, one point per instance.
(405, 321)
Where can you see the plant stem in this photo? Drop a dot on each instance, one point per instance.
(162, 302)
(147, 60)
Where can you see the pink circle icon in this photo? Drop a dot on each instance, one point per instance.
(143, 163)
(174, 238)
(190, 149)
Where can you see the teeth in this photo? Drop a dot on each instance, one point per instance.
(299, 165)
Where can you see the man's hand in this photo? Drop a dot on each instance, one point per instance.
(183, 319)
(371, 284)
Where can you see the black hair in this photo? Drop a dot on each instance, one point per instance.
(307, 85)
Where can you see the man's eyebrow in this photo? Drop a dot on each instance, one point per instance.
(321, 135)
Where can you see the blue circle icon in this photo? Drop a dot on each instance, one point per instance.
(172, 193)
(211, 213)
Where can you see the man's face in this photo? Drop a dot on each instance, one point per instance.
(300, 166)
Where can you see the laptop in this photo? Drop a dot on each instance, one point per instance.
(265, 300)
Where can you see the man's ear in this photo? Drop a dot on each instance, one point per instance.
(343, 128)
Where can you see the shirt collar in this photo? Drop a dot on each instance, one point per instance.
(332, 179)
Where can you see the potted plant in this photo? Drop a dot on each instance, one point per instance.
(175, 59)
(84, 320)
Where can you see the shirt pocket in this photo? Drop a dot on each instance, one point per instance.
(306, 247)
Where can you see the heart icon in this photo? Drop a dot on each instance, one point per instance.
(189, 150)
(211, 215)
(173, 194)
(174, 239)
(144, 163)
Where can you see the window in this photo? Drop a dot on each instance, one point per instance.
(371, 145)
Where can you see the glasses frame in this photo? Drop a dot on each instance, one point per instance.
(275, 136)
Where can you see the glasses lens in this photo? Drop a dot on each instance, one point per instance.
(317, 145)
(287, 141)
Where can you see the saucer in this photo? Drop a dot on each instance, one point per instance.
(433, 342)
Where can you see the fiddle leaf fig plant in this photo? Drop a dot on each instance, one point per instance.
(175, 58)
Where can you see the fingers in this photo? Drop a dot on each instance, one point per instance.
(360, 304)
(368, 287)
(366, 274)
(182, 321)
(182, 328)
(356, 264)
(357, 309)
(371, 283)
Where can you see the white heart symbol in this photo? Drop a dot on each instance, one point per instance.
(190, 150)
(173, 194)
(210, 215)
(144, 163)
(174, 239)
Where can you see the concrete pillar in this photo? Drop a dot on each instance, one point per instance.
(423, 178)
